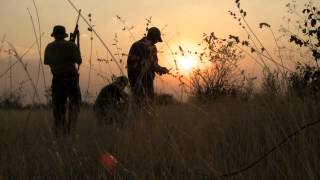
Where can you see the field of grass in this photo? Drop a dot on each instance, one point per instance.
(175, 142)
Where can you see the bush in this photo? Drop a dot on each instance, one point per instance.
(221, 78)
(309, 36)
(305, 81)
(13, 100)
(165, 99)
(272, 84)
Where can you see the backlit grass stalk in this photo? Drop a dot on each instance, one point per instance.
(126, 28)
(40, 44)
(16, 62)
(119, 52)
(24, 66)
(98, 36)
(250, 32)
(10, 77)
(90, 55)
(2, 44)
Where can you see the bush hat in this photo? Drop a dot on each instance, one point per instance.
(59, 31)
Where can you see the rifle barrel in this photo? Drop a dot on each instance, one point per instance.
(78, 16)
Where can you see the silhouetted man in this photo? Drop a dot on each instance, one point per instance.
(142, 65)
(111, 102)
(62, 57)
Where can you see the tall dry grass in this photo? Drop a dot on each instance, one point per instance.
(175, 142)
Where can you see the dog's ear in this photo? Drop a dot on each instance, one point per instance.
(113, 77)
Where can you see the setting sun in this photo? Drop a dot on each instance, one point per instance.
(187, 63)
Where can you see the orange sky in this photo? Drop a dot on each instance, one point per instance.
(189, 18)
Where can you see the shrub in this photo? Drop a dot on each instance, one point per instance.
(13, 100)
(221, 78)
(305, 81)
(272, 84)
(309, 30)
(165, 99)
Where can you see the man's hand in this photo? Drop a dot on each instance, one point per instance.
(163, 70)
(76, 30)
(75, 34)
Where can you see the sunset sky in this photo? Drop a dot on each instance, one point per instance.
(189, 18)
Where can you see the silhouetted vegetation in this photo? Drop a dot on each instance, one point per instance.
(222, 76)
(11, 101)
(165, 99)
(306, 80)
(309, 28)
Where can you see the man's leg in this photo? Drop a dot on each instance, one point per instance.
(148, 89)
(74, 104)
(136, 88)
(59, 107)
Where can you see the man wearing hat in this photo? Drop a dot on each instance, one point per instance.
(62, 57)
(142, 65)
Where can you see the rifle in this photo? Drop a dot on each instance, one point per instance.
(76, 34)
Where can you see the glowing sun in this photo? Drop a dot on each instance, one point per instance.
(187, 63)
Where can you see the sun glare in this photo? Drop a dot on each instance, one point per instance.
(187, 63)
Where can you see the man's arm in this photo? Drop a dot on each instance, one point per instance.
(77, 54)
(156, 67)
(134, 57)
(46, 56)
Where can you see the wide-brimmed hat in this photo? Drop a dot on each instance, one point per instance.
(155, 33)
(59, 31)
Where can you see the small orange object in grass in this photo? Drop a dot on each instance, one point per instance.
(109, 162)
